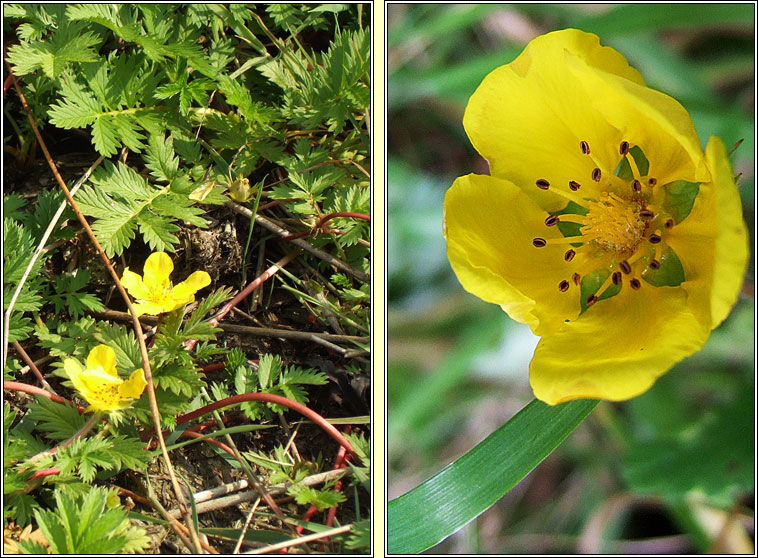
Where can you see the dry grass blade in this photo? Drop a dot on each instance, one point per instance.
(301, 540)
(137, 327)
(270, 225)
(40, 249)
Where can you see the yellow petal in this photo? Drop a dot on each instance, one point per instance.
(732, 241)
(151, 308)
(133, 387)
(184, 292)
(490, 225)
(158, 268)
(586, 44)
(74, 371)
(529, 117)
(133, 283)
(103, 356)
(644, 117)
(618, 348)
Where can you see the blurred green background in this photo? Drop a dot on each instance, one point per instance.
(670, 471)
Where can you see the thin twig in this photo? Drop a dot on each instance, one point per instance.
(301, 540)
(38, 363)
(287, 334)
(259, 331)
(248, 519)
(33, 367)
(258, 295)
(137, 327)
(214, 504)
(180, 529)
(270, 225)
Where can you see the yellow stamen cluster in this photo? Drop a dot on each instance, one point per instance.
(620, 228)
(614, 223)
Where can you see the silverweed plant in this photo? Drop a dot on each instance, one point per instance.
(203, 149)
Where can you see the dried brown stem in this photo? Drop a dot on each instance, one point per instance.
(33, 367)
(253, 285)
(137, 327)
(302, 540)
(270, 225)
(259, 331)
(206, 504)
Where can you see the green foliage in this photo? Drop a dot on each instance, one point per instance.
(16, 505)
(57, 421)
(332, 87)
(18, 249)
(138, 77)
(121, 339)
(88, 524)
(711, 456)
(320, 498)
(359, 537)
(174, 369)
(193, 99)
(37, 218)
(85, 456)
(362, 471)
(285, 469)
(68, 43)
(67, 338)
(122, 201)
(270, 377)
(67, 297)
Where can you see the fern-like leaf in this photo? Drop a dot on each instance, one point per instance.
(57, 421)
(84, 456)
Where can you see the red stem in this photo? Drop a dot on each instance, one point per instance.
(26, 388)
(46, 472)
(363, 216)
(271, 398)
(246, 291)
(212, 367)
(338, 463)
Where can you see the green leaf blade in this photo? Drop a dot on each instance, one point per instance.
(467, 487)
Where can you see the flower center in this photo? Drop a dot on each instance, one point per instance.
(617, 238)
(161, 294)
(614, 223)
(105, 392)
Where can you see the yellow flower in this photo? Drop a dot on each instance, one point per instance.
(155, 293)
(603, 225)
(100, 384)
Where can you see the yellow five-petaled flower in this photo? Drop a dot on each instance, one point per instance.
(154, 293)
(100, 384)
(603, 225)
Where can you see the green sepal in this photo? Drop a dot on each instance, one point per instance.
(624, 169)
(680, 197)
(571, 229)
(639, 157)
(671, 272)
(592, 282)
